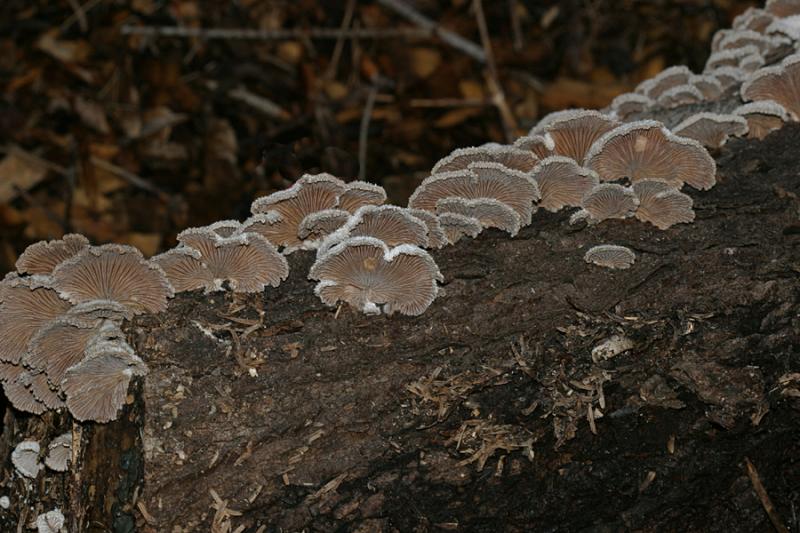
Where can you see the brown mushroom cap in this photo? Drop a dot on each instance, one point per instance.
(779, 83)
(627, 104)
(763, 117)
(753, 19)
(711, 129)
(729, 58)
(456, 226)
(42, 389)
(360, 193)
(185, 269)
(783, 8)
(389, 223)
(574, 131)
(316, 226)
(436, 236)
(489, 212)
(365, 273)
(59, 453)
(751, 62)
(680, 95)
(42, 257)
(540, 145)
(729, 76)
(788, 27)
(734, 39)
(225, 228)
(610, 256)
(17, 390)
(271, 226)
(509, 156)
(663, 81)
(609, 200)
(562, 182)
(708, 85)
(662, 205)
(113, 272)
(647, 150)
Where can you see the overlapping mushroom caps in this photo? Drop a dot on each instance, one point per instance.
(510, 157)
(456, 226)
(753, 19)
(710, 87)
(562, 182)
(729, 76)
(436, 236)
(541, 145)
(783, 8)
(490, 213)
(370, 276)
(731, 57)
(711, 129)
(609, 200)
(316, 226)
(662, 205)
(610, 256)
(680, 95)
(665, 80)
(763, 117)
(572, 132)
(42, 257)
(628, 104)
(647, 150)
(779, 83)
(389, 223)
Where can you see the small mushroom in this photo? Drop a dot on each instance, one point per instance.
(575, 130)
(729, 76)
(25, 458)
(316, 226)
(541, 145)
(788, 27)
(779, 83)
(436, 236)
(225, 228)
(562, 182)
(753, 18)
(59, 453)
(610, 256)
(628, 104)
(509, 156)
(185, 269)
(42, 257)
(113, 272)
(367, 274)
(489, 212)
(711, 129)
(664, 81)
(360, 193)
(456, 226)
(729, 58)
(680, 95)
(39, 386)
(740, 38)
(17, 391)
(708, 85)
(662, 205)
(609, 200)
(647, 150)
(783, 8)
(751, 62)
(763, 117)
(391, 224)
(50, 522)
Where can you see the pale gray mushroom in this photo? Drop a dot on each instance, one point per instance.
(708, 85)
(575, 130)
(25, 459)
(662, 205)
(779, 83)
(541, 145)
(729, 76)
(647, 150)
(663, 81)
(456, 226)
(360, 193)
(51, 522)
(763, 117)
(680, 95)
(562, 182)
(391, 224)
(113, 272)
(59, 453)
(627, 104)
(610, 256)
(711, 129)
(609, 200)
(368, 275)
(489, 212)
(42, 257)
(729, 58)
(788, 27)
(509, 156)
(436, 236)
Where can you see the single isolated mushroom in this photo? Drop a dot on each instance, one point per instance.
(59, 453)
(368, 275)
(708, 85)
(316, 226)
(436, 236)
(662, 205)
(628, 104)
(42, 257)
(509, 156)
(575, 130)
(763, 117)
(50, 522)
(456, 226)
(609, 200)
(25, 459)
(541, 145)
(391, 224)
(711, 129)
(779, 83)
(562, 182)
(360, 193)
(113, 272)
(681, 95)
(647, 150)
(489, 212)
(665, 80)
(610, 256)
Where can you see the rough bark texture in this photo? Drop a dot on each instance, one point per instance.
(273, 410)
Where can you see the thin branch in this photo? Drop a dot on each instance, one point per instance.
(275, 35)
(449, 102)
(78, 14)
(766, 502)
(130, 177)
(363, 132)
(333, 66)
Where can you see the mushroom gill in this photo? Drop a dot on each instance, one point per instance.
(610, 256)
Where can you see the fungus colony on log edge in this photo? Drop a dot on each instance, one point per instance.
(61, 311)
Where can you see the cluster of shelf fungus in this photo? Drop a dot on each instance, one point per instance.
(61, 310)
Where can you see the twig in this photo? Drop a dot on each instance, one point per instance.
(130, 177)
(752, 473)
(266, 106)
(449, 102)
(516, 27)
(447, 36)
(363, 132)
(78, 14)
(333, 66)
(275, 35)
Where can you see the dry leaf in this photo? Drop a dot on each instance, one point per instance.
(424, 61)
(92, 114)
(19, 169)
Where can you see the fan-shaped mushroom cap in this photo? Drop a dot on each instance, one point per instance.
(225, 228)
(708, 85)
(729, 76)
(741, 38)
(783, 8)
(680, 95)
(96, 387)
(436, 236)
(25, 458)
(541, 145)
(113, 272)
(308, 195)
(647, 150)
(751, 62)
(753, 19)
(762, 117)
(185, 269)
(662, 205)
(27, 306)
(390, 224)
(711, 129)
(562, 182)
(50, 522)
(730, 57)
(489, 212)
(359, 193)
(663, 81)
(42, 257)
(456, 226)
(509, 156)
(574, 131)
(365, 273)
(481, 180)
(316, 226)
(41, 389)
(59, 453)
(93, 310)
(247, 261)
(15, 386)
(610, 256)
(627, 104)
(780, 83)
(609, 200)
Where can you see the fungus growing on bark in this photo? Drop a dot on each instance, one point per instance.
(753, 19)
(751, 63)
(708, 85)
(488, 211)
(779, 83)
(763, 117)
(711, 129)
(680, 95)
(436, 236)
(185, 269)
(509, 156)
(562, 182)
(360, 193)
(316, 226)
(610, 256)
(25, 459)
(59, 453)
(574, 131)
(17, 391)
(729, 76)
(225, 228)
(367, 274)
(663, 81)
(456, 226)
(783, 8)
(390, 224)
(540, 145)
(609, 200)
(481, 180)
(113, 272)
(50, 522)
(97, 386)
(729, 58)
(627, 104)
(662, 205)
(248, 262)
(42, 257)
(647, 150)
(41, 389)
